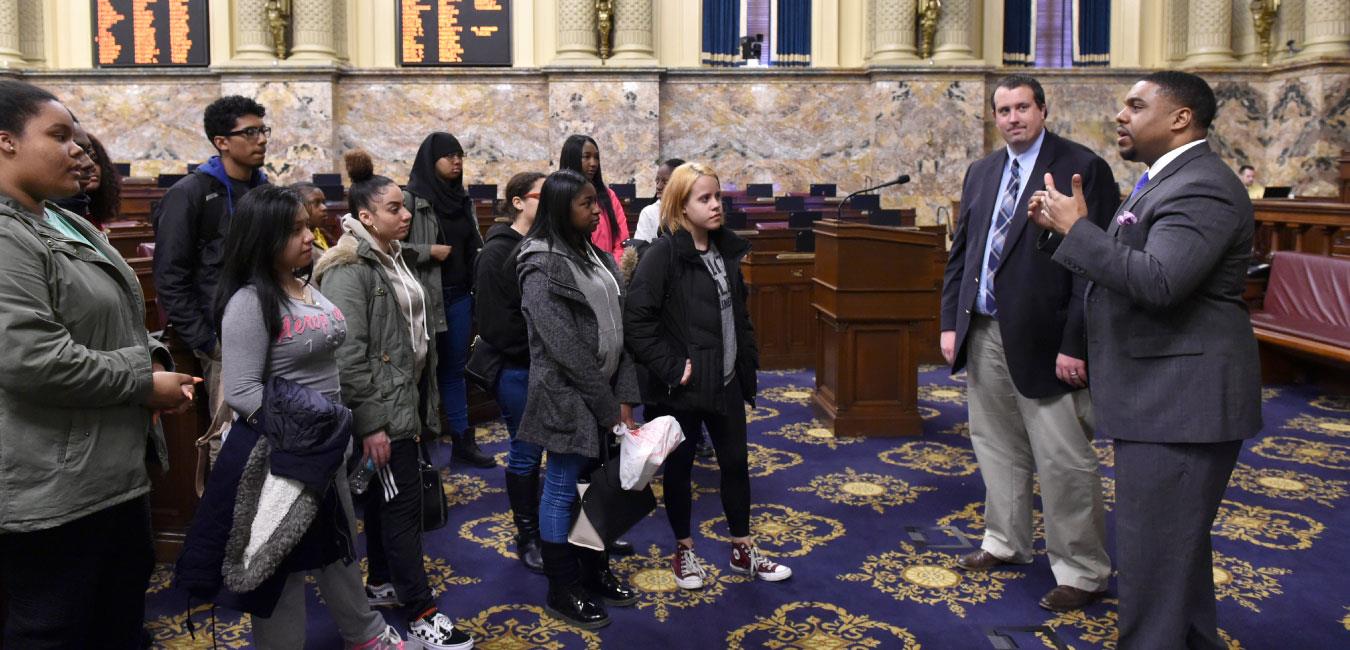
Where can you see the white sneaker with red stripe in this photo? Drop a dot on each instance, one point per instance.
(747, 560)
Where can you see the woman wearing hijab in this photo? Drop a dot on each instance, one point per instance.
(581, 154)
(443, 243)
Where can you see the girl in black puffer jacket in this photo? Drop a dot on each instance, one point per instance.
(686, 322)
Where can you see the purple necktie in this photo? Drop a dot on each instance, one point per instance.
(1143, 180)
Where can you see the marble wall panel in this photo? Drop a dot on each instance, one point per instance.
(300, 112)
(502, 126)
(791, 130)
(931, 129)
(789, 134)
(155, 125)
(621, 115)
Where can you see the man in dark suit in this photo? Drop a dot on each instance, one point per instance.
(1175, 376)
(1009, 317)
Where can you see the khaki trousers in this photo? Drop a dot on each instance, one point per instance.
(1017, 437)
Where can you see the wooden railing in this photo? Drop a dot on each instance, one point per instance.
(1319, 227)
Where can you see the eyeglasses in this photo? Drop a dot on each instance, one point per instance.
(531, 195)
(252, 132)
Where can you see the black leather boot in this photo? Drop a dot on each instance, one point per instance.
(523, 492)
(600, 581)
(620, 548)
(567, 599)
(465, 450)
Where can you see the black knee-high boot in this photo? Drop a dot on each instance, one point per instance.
(600, 581)
(567, 599)
(523, 492)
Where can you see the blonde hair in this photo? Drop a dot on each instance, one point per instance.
(677, 191)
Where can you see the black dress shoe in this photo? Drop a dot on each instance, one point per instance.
(620, 548)
(572, 605)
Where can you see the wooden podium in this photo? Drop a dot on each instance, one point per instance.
(876, 294)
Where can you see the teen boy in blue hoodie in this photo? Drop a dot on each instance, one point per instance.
(190, 225)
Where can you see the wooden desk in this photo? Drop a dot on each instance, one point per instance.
(139, 198)
(778, 287)
(127, 236)
(173, 494)
(771, 241)
(876, 292)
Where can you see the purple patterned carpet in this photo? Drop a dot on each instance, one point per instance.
(871, 529)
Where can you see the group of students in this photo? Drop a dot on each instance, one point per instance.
(326, 357)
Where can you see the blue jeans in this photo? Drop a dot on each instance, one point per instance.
(512, 387)
(452, 351)
(560, 495)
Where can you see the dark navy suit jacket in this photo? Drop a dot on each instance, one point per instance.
(1040, 310)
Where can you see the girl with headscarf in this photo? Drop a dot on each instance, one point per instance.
(443, 243)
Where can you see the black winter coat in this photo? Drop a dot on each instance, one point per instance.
(497, 296)
(672, 314)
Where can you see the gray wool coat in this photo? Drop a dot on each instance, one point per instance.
(569, 403)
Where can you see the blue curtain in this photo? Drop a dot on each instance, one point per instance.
(1092, 27)
(794, 33)
(1019, 16)
(721, 32)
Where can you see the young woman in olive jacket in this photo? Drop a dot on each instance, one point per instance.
(388, 372)
(686, 322)
(79, 383)
(581, 384)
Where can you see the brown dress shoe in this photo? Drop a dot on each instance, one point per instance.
(980, 560)
(1067, 599)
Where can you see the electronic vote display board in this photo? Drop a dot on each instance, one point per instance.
(454, 32)
(131, 33)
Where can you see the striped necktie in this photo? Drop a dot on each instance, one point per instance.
(999, 236)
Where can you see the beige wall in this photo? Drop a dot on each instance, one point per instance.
(839, 33)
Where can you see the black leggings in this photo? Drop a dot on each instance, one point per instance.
(727, 433)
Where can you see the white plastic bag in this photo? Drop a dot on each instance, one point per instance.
(643, 450)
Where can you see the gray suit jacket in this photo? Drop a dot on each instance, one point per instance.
(1171, 354)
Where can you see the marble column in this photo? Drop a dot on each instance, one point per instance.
(252, 38)
(634, 39)
(1209, 37)
(892, 31)
(578, 41)
(31, 30)
(313, 31)
(952, 43)
(1326, 28)
(11, 53)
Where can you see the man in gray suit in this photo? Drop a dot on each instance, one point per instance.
(1175, 377)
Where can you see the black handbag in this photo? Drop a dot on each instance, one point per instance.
(611, 509)
(483, 365)
(435, 510)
